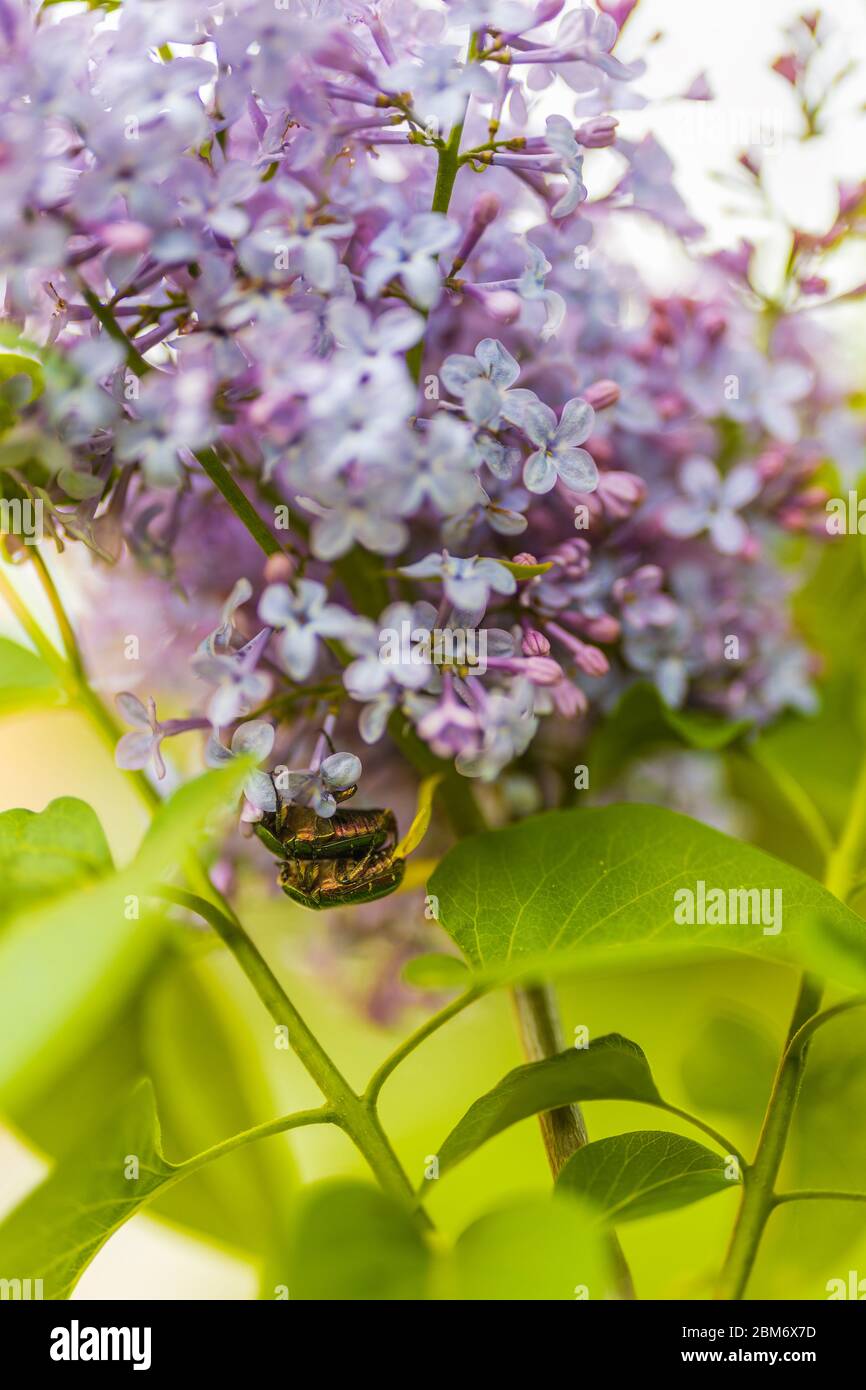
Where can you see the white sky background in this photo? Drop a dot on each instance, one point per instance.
(735, 42)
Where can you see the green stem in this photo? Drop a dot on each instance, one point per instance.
(100, 311)
(323, 1115)
(843, 863)
(426, 1030)
(446, 173)
(351, 1112)
(759, 1196)
(238, 501)
(816, 1196)
(759, 1180)
(563, 1130)
(817, 1021)
(67, 635)
(714, 1134)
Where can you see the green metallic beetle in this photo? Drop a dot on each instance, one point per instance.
(348, 858)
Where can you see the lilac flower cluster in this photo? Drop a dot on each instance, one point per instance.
(343, 257)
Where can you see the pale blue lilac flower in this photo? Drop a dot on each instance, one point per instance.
(712, 503)
(240, 686)
(408, 254)
(136, 750)
(557, 454)
(439, 85)
(303, 618)
(485, 384)
(468, 583)
(316, 787)
(641, 599)
(253, 740)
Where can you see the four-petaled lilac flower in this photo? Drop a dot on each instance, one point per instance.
(531, 287)
(409, 254)
(642, 600)
(134, 751)
(467, 582)
(254, 739)
(560, 138)
(483, 383)
(304, 617)
(557, 454)
(439, 85)
(239, 685)
(315, 787)
(712, 504)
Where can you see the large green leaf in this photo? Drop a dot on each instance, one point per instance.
(578, 887)
(641, 721)
(206, 1064)
(25, 680)
(56, 1231)
(537, 1249)
(352, 1242)
(728, 1066)
(66, 966)
(633, 1175)
(43, 853)
(611, 1068)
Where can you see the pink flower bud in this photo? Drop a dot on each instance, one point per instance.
(813, 284)
(596, 133)
(534, 643)
(789, 67)
(591, 660)
(278, 569)
(524, 558)
(602, 394)
(541, 670)
(569, 699)
(604, 628)
(620, 493)
(126, 238)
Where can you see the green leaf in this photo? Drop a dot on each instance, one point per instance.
(642, 720)
(540, 1249)
(436, 970)
(43, 853)
(56, 1231)
(633, 1175)
(207, 1067)
(611, 1068)
(581, 887)
(16, 363)
(352, 1241)
(421, 823)
(66, 966)
(525, 571)
(25, 680)
(729, 1067)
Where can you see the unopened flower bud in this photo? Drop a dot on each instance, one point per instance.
(602, 394)
(279, 568)
(596, 133)
(534, 643)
